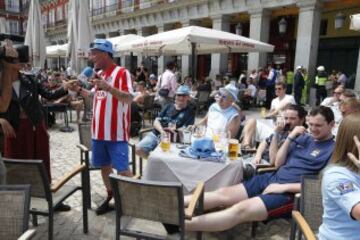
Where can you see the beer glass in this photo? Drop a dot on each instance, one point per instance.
(165, 142)
(233, 149)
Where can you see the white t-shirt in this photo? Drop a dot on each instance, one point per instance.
(252, 90)
(278, 103)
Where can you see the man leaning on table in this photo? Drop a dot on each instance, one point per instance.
(180, 113)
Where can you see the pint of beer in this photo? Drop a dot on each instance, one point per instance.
(233, 149)
(165, 143)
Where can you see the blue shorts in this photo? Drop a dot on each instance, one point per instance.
(148, 143)
(105, 153)
(257, 184)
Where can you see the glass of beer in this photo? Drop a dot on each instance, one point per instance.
(233, 149)
(165, 142)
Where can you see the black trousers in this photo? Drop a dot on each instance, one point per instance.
(321, 94)
(298, 94)
(270, 95)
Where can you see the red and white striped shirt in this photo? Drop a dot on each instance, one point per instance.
(111, 117)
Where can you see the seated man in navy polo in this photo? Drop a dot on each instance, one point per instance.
(179, 114)
(301, 154)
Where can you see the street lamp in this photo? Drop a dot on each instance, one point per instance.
(339, 20)
(238, 29)
(282, 26)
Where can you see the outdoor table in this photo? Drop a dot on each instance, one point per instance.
(170, 167)
(60, 107)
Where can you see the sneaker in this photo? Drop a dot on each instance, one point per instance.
(104, 207)
(62, 208)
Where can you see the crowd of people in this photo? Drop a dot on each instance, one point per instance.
(295, 141)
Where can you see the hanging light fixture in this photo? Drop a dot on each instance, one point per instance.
(339, 20)
(282, 26)
(238, 29)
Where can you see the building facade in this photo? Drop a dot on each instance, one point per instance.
(304, 32)
(13, 15)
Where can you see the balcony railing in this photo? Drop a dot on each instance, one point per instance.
(124, 7)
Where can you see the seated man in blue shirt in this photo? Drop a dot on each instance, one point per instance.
(252, 200)
(180, 114)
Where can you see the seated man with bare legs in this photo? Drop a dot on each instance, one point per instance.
(260, 129)
(300, 154)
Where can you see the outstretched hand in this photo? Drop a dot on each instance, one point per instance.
(355, 160)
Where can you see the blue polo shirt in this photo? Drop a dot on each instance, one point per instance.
(306, 156)
(340, 192)
(182, 117)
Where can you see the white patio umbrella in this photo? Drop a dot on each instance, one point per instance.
(55, 51)
(185, 41)
(194, 40)
(85, 33)
(34, 37)
(72, 34)
(122, 43)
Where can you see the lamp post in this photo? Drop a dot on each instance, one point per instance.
(282, 26)
(238, 29)
(339, 20)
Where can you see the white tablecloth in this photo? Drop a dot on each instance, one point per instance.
(170, 167)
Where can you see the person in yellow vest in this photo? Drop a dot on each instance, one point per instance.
(289, 81)
(320, 82)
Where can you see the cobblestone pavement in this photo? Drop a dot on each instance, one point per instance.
(68, 225)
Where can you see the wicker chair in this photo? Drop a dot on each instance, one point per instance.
(281, 212)
(45, 197)
(155, 201)
(311, 209)
(85, 149)
(14, 208)
(202, 101)
(148, 108)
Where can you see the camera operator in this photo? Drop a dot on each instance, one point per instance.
(8, 72)
(26, 116)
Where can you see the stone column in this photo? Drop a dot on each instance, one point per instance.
(357, 80)
(219, 62)
(140, 32)
(161, 64)
(259, 30)
(307, 39)
(186, 59)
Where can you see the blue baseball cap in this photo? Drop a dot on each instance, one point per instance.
(102, 45)
(183, 90)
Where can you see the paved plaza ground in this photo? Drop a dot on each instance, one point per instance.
(68, 225)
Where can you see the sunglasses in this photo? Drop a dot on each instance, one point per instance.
(279, 89)
(338, 93)
(221, 96)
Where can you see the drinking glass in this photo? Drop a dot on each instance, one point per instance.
(233, 149)
(165, 142)
(186, 137)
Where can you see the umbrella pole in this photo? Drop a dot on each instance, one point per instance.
(131, 61)
(193, 62)
(58, 63)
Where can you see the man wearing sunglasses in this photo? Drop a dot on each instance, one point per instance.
(179, 114)
(223, 115)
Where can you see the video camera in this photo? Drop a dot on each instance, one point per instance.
(22, 50)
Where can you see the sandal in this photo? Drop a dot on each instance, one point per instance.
(247, 149)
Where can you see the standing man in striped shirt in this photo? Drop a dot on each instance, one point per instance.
(111, 115)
